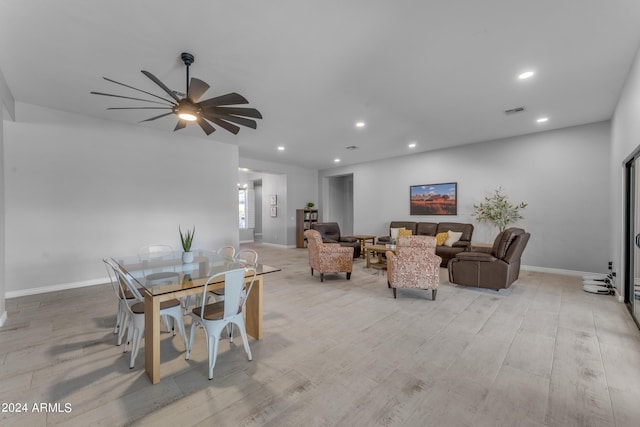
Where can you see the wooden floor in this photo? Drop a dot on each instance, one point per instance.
(338, 353)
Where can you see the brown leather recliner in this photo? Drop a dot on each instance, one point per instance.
(330, 233)
(495, 268)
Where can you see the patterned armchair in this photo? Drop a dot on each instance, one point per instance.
(415, 264)
(328, 257)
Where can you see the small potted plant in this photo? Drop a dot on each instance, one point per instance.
(310, 205)
(187, 238)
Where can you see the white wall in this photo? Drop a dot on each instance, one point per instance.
(562, 175)
(80, 189)
(3, 313)
(7, 112)
(295, 187)
(625, 139)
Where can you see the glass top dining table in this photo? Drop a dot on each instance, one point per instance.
(170, 274)
(167, 278)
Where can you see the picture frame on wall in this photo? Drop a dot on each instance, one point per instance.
(274, 200)
(274, 211)
(434, 199)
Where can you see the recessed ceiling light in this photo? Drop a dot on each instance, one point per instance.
(526, 75)
(360, 124)
(336, 160)
(412, 145)
(243, 169)
(542, 119)
(281, 148)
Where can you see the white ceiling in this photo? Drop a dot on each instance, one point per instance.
(437, 72)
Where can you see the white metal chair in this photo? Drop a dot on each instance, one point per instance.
(156, 253)
(215, 317)
(134, 318)
(125, 299)
(248, 256)
(227, 252)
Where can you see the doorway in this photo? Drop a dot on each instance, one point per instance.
(632, 237)
(338, 202)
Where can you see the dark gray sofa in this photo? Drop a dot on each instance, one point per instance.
(433, 228)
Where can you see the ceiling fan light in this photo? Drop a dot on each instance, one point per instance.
(188, 117)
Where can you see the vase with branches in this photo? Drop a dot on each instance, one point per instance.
(498, 210)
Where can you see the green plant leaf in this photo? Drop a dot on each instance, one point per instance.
(187, 238)
(498, 211)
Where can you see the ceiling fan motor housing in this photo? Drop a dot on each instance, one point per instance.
(187, 58)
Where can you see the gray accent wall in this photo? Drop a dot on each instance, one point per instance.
(79, 189)
(562, 174)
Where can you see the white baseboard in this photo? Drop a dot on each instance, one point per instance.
(556, 271)
(246, 241)
(53, 288)
(277, 245)
(617, 294)
(3, 318)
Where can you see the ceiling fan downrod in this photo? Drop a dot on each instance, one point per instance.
(188, 59)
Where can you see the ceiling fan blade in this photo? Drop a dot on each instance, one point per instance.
(206, 127)
(197, 88)
(239, 120)
(228, 99)
(181, 125)
(237, 111)
(127, 97)
(228, 126)
(156, 117)
(159, 83)
(139, 108)
(135, 88)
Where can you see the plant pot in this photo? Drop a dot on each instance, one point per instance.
(187, 257)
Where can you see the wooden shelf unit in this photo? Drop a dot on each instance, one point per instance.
(304, 219)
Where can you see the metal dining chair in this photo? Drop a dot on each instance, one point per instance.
(214, 318)
(134, 312)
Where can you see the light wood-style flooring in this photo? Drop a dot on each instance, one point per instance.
(338, 353)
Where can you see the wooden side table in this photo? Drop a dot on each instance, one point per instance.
(363, 239)
(377, 250)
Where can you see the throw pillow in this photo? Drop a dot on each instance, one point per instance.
(404, 232)
(440, 238)
(394, 232)
(452, 237)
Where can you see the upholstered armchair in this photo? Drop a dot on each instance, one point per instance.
(414, 265)
(330, 233)
(496, 268)
(328, 257)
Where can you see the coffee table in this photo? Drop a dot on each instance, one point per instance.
(376, 250)
(362, 238)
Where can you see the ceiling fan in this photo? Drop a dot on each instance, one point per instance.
(218, 110)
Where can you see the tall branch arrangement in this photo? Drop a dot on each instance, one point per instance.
(498, 210)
